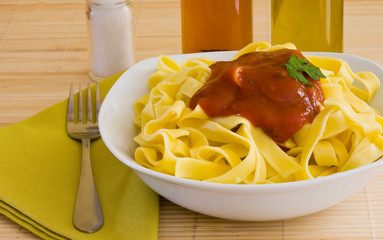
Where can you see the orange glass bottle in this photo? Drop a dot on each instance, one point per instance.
(216, 25)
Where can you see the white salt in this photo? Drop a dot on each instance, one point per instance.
(110, 37)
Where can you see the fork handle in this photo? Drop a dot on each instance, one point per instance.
(87, 216)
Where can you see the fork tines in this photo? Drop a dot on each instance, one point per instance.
(80, 116)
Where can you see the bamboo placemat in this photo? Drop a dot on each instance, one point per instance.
(43, 49)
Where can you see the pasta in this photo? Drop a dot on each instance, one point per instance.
(186, 143)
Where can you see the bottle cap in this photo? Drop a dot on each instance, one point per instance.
(107, 2)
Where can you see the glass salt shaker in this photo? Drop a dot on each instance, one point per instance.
(110, 42)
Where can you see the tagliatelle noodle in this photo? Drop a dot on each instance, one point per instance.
(176, 140)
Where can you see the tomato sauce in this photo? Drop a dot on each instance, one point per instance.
(258, 87)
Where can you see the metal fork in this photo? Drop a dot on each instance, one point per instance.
(87, 215)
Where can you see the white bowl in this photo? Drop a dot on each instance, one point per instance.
(229, 201)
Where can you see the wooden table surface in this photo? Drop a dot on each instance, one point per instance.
(43, 48)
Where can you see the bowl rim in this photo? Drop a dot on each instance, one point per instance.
(236, 188)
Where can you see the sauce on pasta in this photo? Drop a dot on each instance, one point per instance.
(258, 87)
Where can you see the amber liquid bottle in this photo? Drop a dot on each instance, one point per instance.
(216, 25)
(312, 25)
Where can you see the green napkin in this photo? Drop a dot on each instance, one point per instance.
(39, 174)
